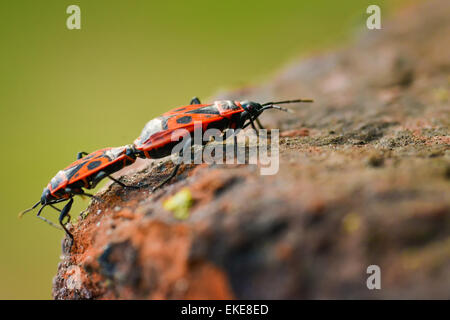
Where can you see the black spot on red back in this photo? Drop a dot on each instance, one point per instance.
(93, 165)
(205, 110)
(73, 170)
(184, 119)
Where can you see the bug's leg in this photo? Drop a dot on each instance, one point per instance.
(123, 185)
(64, 213)
(235, 142)
(68, 215)
(81, 194)
(175, 170)
(234, 136)
(172, 174)
(100, 176)
(195, 100)
(57, 209)
(259, 123)
(97, 178)
(162, 183)
(49, 222)
(88, 195)
(253, 125)
(81, 154)
(46, 220)
(235, 145)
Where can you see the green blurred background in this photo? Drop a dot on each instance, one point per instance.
(63, 91)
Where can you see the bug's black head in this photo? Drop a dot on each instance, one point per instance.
(46, 196)
(253, 108)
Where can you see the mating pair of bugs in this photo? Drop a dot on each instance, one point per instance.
(155, 142)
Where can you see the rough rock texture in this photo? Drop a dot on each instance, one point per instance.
(364, 179)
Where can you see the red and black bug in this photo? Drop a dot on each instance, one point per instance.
(86, 172)
(156, 142)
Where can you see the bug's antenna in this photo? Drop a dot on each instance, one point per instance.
(41, 208)
(29, 209)
(277, 107)
(283, 109)
(287, 101)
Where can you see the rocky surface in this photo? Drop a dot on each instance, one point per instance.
(364, 179)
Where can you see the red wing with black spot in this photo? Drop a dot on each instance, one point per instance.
(85, 168)
(158, 132)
